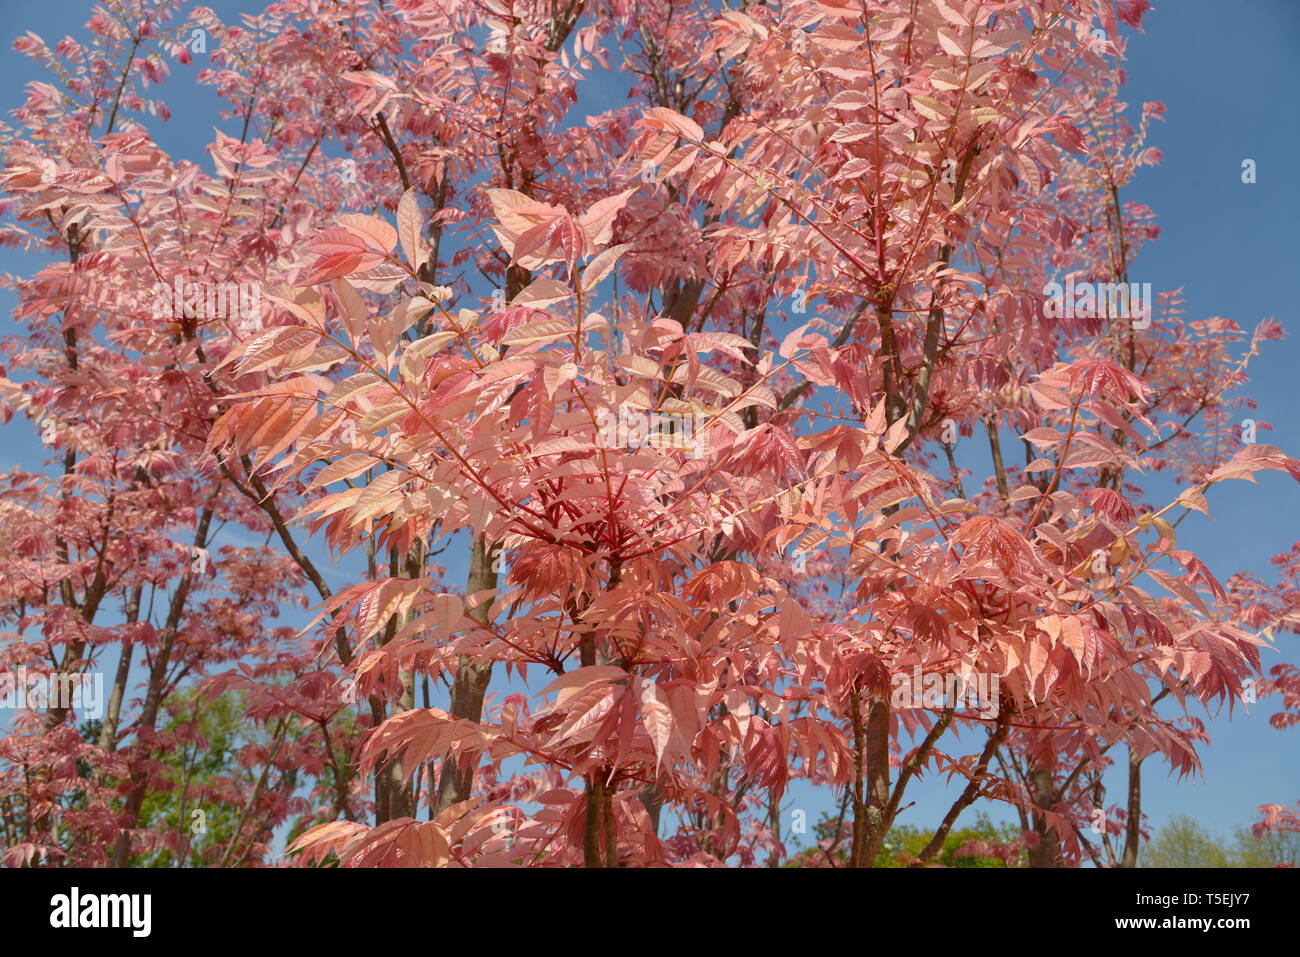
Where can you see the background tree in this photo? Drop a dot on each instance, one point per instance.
(1185, 843)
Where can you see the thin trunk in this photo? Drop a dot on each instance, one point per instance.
(400, 793)
(774, 825)
(286, 784)
(1133, 823)
(995, 447)
(113, 713)
(470, 684)
(257, 791)
(872, 811)
(592, 832)
(154, 694)
(7, 816)
(472, 677)
(182, 831)
(855, 789)
(972, 789)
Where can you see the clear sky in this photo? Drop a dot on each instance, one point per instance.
(1226, 74)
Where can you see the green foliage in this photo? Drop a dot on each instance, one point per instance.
(1185, 843)
(1267, 851)
(210, 737)
(905, 842)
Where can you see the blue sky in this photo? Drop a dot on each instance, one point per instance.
(1225, 73)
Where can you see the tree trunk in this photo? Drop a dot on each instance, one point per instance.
(1133, 823)
(652, 798)
(113, 713)
(1048, 851)
(472, 677)
(870, 804)
(153, 696)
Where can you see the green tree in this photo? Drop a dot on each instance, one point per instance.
(1268, 850)
(904, 843)
(1185, 843)
(208, 735)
